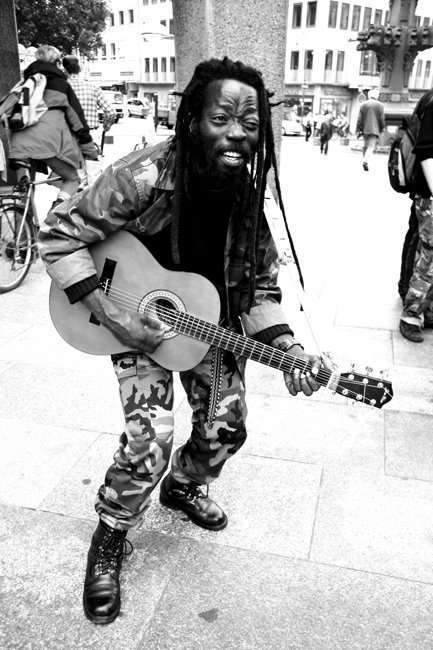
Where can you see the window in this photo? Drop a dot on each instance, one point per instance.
(427, 73)
(104, 52)
(131, 16)
(154, 2)
(294, 61)
(308, 64)
(333, 9)
(356, 17)
(121, 20)
(146, 69)
(155, 69)
(417, 21)
(344, 20)
(297, 15)
(163, 64)
(386, 17)
(340, 61)
(112, 51)
(328, 59)
(171, 26)
(378, 17)
(162, 0)
(367, 18)
(112, 20)
(426, 22)
(163, 22)
(418, 69)
(145, 2)
(172, 64)
(369, 64)
(311, 14)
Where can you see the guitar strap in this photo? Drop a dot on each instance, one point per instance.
(279, 235)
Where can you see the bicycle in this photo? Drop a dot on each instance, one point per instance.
(19, 227)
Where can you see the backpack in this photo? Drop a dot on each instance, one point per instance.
(401, 159)
(24, 104)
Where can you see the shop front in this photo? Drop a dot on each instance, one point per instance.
(298, 101)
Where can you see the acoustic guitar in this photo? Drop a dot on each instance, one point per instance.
(189, 304)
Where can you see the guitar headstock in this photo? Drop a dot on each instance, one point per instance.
(365, 389)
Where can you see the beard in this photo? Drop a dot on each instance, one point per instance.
(207, 163)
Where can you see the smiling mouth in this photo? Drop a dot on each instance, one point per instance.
(232, 158)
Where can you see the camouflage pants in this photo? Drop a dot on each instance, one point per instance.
(417, 303)
(146, 392)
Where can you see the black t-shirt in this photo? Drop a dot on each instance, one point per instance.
(202, 235)
(424, 149)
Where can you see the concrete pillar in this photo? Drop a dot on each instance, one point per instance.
(252, 31)
(9, 60)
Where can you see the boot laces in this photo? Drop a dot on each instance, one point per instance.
(193, 491)
(111, 550)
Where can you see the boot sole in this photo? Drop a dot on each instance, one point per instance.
(165, 501)
(101, 620)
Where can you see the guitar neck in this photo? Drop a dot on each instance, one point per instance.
(242, 346)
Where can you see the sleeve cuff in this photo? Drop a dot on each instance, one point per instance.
(80, 289)
(270, 333)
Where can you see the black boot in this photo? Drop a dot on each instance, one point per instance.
(101, 597)
(199, 507)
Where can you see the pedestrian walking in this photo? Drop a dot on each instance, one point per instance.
(325, 133)
(196, 200)
(308, 123)
(90, 97)
(371, 123)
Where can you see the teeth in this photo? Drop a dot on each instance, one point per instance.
(232, 154)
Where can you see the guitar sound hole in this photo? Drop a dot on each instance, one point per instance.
(163, 309)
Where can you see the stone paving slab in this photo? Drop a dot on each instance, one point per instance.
(9, 330)
(38, 457)
(409, 445)
(43, 564)
(380, 524)
(29, 302)
(56, 396)
(227, 599)
(308, 432)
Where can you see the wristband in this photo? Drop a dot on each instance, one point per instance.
(287, 345)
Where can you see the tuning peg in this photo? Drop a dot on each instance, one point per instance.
(384, 373)
(368, 370)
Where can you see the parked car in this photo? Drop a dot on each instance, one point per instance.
(135, 106)
(115, 99)
(291, 127)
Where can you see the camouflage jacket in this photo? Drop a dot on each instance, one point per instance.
(135, 193)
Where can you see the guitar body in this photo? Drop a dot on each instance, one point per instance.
(136, 283)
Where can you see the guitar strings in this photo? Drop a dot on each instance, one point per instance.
(132, 302)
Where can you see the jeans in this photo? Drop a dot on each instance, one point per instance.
(70, 179)
(369, 144)
(408, 253)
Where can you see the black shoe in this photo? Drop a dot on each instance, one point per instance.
(199, 507)
(101, 597)
(411, 332)
(365, 165)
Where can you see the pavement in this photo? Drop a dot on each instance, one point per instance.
(330, 534)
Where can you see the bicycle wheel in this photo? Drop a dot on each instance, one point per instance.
(16, 257)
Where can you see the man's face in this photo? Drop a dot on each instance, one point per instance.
(227, 133)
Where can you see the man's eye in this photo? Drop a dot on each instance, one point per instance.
(252, 125)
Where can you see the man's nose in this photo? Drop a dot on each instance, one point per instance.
(236, 131)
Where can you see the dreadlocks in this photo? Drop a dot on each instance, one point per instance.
(191, 106)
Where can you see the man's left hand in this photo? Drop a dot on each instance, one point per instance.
(304, 380)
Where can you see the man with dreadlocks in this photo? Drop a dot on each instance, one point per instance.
(196, 202)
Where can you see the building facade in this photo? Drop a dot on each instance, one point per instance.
(137, 57)
(325, 71)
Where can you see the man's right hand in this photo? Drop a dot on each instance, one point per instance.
(138, 332)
